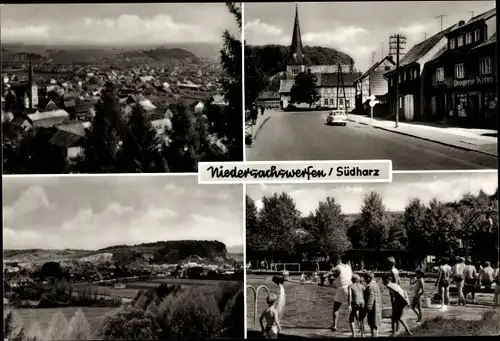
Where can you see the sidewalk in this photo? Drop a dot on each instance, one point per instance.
(261, 120)
(462, 138)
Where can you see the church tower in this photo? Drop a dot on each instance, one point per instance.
(32, 100)
(296, 58)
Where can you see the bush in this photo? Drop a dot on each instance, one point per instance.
(191, 314)
(130, 324)
(58, 327)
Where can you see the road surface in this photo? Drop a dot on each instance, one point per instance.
(288, 136)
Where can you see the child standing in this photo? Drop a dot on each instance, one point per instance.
(273, 327)
(356, 305)
(399, 303)
(416, 303)
(373, 303)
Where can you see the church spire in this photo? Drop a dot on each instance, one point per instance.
(296, 48)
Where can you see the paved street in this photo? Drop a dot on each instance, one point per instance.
(291, 136)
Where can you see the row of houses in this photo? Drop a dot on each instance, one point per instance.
(448, 78)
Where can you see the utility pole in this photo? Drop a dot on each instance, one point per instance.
(472, 14)
(373, 57)
(382, 51)
(397, 42)
(440, 17)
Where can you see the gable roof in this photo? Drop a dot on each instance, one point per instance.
(421, 49)
(483, 16)
(332, 79)
(286, 85)
(376, 65)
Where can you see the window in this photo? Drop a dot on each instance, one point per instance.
(341, 102)
(440, 75)
(468, 38)
(453, 43)
(461, 104)
(485, 66)
(295, 72)
(415, 73)
(387, 68)
(459, 71)
(404, 76)
(460, 41)
(477, 35)
(399, 78)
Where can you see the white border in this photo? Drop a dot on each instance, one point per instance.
(296, 181)
(445, 171)
(245, 259)
(73, 175)
(243, 127)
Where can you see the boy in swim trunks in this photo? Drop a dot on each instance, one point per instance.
(356, 305)
(272, 328)
(399, 303)
(417, 294)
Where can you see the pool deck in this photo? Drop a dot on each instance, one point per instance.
(467, 313)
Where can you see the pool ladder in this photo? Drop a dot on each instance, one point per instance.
(256, 295)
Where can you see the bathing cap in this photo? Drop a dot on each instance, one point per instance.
(271, 299)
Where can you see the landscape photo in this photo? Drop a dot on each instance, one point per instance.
(307, 243)
(137, 258)
(351, 81)
(120, 88)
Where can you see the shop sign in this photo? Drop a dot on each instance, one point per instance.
(479, 80)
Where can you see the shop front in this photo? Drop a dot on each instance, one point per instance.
(472, 102)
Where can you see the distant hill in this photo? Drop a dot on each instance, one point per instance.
(92, 55)
(160, 252)
(273, 58)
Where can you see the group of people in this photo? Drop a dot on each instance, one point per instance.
(254, 112)
(467, 279)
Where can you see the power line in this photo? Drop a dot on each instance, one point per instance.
(440, 17)
(396, 46)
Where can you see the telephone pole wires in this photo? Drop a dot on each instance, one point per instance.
(440, 17)
(396, 44)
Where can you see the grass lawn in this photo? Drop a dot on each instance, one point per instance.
(489, 325)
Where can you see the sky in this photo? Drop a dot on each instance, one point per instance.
(356, 28)
(131, 24)
(94, 212)
(396, 195)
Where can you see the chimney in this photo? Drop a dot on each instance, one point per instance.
(461, 23)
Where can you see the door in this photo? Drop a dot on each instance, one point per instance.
(473, 107)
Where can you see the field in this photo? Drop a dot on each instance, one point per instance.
(43, 316)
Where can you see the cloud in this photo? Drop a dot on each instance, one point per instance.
(31, 200)
(261, 33)
(336, 37)
(124, 210)
(414, 29)
(126, 28)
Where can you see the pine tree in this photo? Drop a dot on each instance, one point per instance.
(58, 327)
(104, 137)
(142, 147)
(79, 327)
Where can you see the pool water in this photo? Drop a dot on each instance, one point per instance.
(310, 306)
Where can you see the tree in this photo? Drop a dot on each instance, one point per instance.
(416, 229)
(255, 79)
(232, 86)
(51, 270)
(79, 327)
(141, 151)
(58, 327)
(103, 139)
(443, 221)
(254, 241)
(305, 89)
(396, 233)
(278, 220)
(369, 230)
(329, 229)
(130, 324)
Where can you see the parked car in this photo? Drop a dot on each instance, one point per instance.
(337, 117)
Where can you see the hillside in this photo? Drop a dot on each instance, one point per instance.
(93, 55)
(273, 58)
(160, 252)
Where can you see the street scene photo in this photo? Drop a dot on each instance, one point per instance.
(120, 88)
(353, 81)
(127, 258)
(418, 256)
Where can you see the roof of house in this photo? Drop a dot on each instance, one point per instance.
(76, 128)
(40, 116)
(483, 16)
(64, 139)
(421, 49)
(374, 66)
(492, 40)
(49, 122)
(332, 79)
(269, 95)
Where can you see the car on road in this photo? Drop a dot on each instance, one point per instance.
(337, 117)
